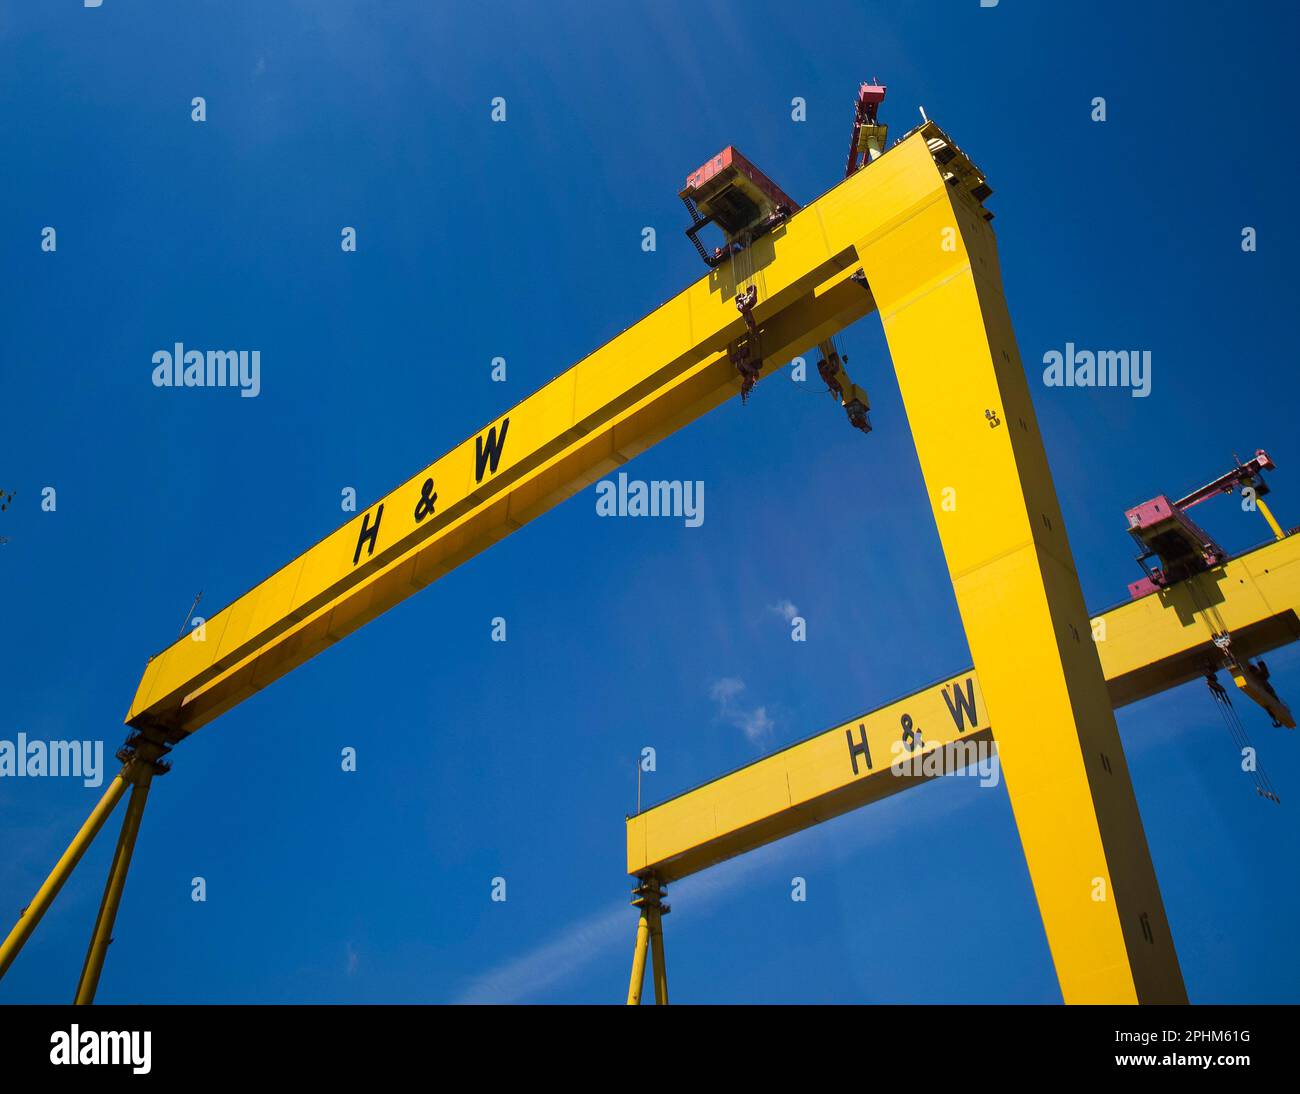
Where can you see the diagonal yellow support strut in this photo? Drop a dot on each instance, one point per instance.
(102, 936)
(31, 915)
(141, 759)
(647, 898)
(937, 285)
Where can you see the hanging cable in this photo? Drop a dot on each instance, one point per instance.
(1237, 730)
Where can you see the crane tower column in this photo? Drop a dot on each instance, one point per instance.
(31, 915)
(139, 771)
(934, 275)
(649, 936)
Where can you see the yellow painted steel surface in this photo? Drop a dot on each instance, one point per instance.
(937, 286)
(31, 915)
(1146, 646)
(809, 782)
(637, 984)
(102, 936)
(1163, 640)
(655, 377)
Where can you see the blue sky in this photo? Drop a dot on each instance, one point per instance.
(523, 240)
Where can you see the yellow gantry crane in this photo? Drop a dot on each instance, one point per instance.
(1146, 646)
(907, 236)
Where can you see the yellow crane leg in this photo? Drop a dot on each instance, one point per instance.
(31, 915)
(1267, 514)
(934, 275)
(638, 959)
(646, 898)
(142, 776)
(657, 955)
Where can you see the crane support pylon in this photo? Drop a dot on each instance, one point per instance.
(141, 776)
(31, 915)
(647, 897)
(936, 282)
(142, 758)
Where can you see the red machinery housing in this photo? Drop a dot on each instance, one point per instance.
(1164, 531)
(732, 193)
(869, 135)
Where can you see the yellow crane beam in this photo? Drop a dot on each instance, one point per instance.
(1146, 646)
(655, 377)
(805, 283)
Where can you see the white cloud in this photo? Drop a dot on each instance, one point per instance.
(785, 609)
(609, 934)
(756, 725)
(726, 689)
(753, 722)
(576, 947)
